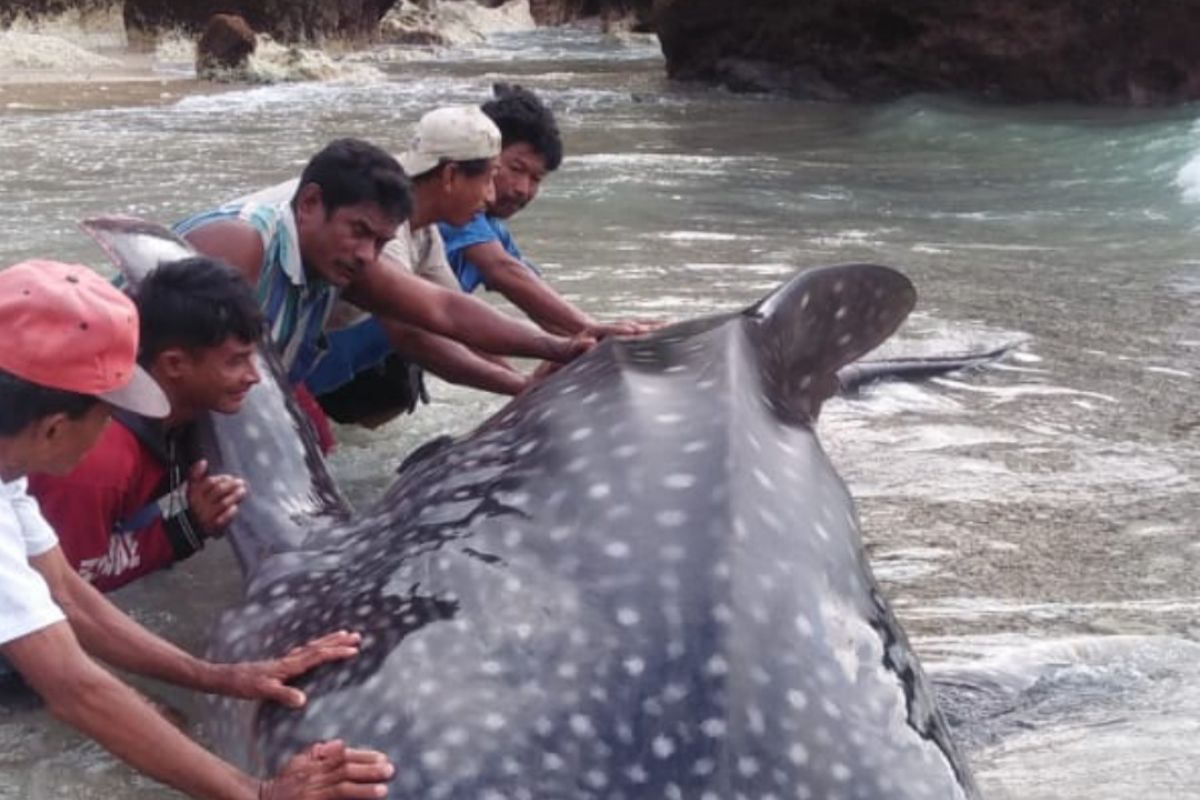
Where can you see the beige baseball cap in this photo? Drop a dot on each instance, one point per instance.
(452, 133)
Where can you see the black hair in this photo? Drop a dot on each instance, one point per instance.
(195, 303)
(351, 171)
(25, 402)
(472, 168)
(522, 117)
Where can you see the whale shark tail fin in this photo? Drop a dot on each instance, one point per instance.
(816, 323)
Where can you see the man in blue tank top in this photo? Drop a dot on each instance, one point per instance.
(483, 253)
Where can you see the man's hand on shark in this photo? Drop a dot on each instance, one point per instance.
(330, 771)
(267, 680)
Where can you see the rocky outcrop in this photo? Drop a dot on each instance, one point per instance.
(1095, 51)
(284, 20)
(10, 10)
(226, 44)
(560, 12)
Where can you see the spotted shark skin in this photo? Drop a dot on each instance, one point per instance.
(641, 579)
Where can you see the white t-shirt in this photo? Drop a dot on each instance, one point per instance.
(25, 602)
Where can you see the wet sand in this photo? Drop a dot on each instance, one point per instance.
(69, 93)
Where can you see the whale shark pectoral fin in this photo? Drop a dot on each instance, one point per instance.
(818, 322)
(134, 245)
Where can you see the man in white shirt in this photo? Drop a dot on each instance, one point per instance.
(69, 356)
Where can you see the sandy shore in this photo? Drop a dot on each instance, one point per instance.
(58, 72)
(72, 92)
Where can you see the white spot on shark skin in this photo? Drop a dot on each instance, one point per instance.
(716, 667)
(552, 762)
(839, 772)
(798, 754)
(494, 722)
(671, 518)
(628, 617)
(747, 767)
(797, 699)
(695, 446)
(617, 549)
(713, 728)
(756, 721)
(634, 666)
(662, 746)
(579, 434)
(525, 448)
(433, 759)
(581, 726)
(253, 432)
(703, 766)
(568, 671)
(763, 480)
(821, 531)
(455, 737)
(599, 491)
(625, 451)
(669, 418)
(679, 480)
(618, 511)
(636, 774)
(560, 533)
(844, 340)
(579, 464)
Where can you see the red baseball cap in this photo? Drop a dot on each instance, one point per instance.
(64, 327)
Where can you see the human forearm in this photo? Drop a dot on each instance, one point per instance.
(394, 294)
(108, 634)
(452, 361)
(81, 694)
(550, 310)
(128, 727)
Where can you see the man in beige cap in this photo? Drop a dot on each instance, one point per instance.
(69, 357)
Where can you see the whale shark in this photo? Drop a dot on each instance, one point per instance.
(641, 578)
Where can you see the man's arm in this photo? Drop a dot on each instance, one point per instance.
(392, 292)
(528, 292)
(509, 276)
(80, 693)
(452, 361)
(232, 241)
(110, 635)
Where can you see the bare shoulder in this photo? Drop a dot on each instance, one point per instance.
(231, 240)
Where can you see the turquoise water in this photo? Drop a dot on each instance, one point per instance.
(1033, 524)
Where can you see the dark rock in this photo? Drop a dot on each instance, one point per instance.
(284, 20)
(12, 9)
(560, 12)
(226, 44)
(1110, 51)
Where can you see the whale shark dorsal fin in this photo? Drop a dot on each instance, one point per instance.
(819, 321)
(134, 245)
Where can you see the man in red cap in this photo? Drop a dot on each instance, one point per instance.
(69, 358)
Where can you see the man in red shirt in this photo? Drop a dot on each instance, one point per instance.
(141, 500)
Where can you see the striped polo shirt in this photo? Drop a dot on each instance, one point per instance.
(296, 305)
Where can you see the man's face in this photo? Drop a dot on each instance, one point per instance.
(214, 378)
(339, 246)
(517, 180)
(466, 195)
(63, 441)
